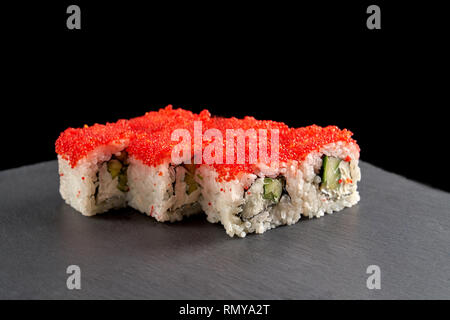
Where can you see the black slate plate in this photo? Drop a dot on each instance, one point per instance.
(399, 225)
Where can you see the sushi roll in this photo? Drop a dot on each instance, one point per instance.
(92, 167)
(106, 167)
(159, 187)
(317, 173)
(131, 163)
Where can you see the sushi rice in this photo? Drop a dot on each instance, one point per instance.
(240, 206)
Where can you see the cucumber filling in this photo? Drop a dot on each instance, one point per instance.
(335, 178)
(191, 184)
(117, 167)
(114, 167)
(263, 194)
(273, 188)
(330, 173)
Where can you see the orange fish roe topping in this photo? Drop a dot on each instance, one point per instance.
(226, 171)
(148, 135)
(294, 144)
(152, 143)
(298, 143)
(149, 139)
(75, 144)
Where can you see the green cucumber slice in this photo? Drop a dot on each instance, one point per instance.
(123, 182)
(114, 167)
(190, 182)
(118, 167)
(330, 173)
(189, 178)
(273, 188)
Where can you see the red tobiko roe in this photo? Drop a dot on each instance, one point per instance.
(75, 144)
(294, 144)
(148, 136)
(150, 141)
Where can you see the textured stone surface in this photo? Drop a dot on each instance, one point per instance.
(399, 225)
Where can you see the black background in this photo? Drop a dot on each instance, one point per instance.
(302, 64)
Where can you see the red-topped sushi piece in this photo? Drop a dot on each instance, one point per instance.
(75, 144)
(296, 144)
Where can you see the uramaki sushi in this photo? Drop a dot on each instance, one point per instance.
(92, 167)
(159, 187)
(105, 167)
(129, 163)
(317, 173)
